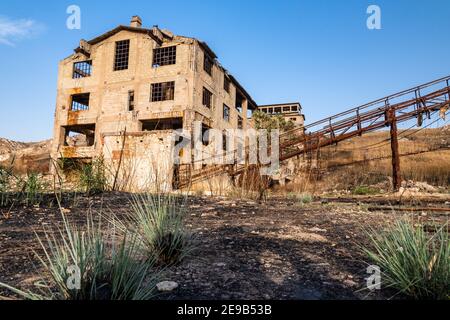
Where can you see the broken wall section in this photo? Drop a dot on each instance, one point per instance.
(140, 162)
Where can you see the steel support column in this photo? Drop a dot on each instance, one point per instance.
(396, 179)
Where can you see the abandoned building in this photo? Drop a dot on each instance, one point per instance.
(121, 95)
(289, 111)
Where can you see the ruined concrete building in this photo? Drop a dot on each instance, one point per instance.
(121, 95)
(289, 111)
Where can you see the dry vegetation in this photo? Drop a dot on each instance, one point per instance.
(348, 166)
(292, 242)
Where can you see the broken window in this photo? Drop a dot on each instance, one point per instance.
(122, 55)
(240, 123)
(208, 64)
(286, 109)
(239, 101)
(226, 112)
(164, 56)
(162, 91)
(205, 135)
(294, 108)
(207, 98)
(131, 100)
(79, 135)
(80, 102)
(224, 141)
(82, 69)
(226, 84)
(162, 124)
(278, 110)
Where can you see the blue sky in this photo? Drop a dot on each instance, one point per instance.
(317, 52)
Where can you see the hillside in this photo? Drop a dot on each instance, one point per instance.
(25, 157)
(366, 160)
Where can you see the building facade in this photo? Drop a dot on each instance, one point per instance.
(289, 111)
(121, 95)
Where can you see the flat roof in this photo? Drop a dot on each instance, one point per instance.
(280, 104)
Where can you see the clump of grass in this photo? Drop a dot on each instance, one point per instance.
(365, 190)
(412, 261)
(108, 269)
(5, 187)
(158, 220)
(302, 198)
(93, 177)
(33, 189)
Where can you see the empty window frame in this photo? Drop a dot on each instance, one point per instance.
(162, 124)
(294, 108)
(286, 109)
(162, 91)
(164, 56)
(131, 100)
(226, 84)
(239, 101)
(80, 102)
(122, 55)
(207, 98)
(79, 135)
(205, 135)
(224, 141)
(240, 123)
(278, 110)
(208, 64)
(82, 69)
(226, 113)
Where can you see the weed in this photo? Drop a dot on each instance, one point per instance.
(93, 177)
(107, 268)
(158, 220)
(412, 261)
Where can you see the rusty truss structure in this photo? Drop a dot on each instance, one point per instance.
(416, 103)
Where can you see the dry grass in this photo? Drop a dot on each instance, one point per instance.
(432, 167)
(348, 165)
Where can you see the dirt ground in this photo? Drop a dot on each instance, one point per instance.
(276, 249)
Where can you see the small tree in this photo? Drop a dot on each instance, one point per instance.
(271, 122)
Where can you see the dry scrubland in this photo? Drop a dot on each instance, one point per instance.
(348, 165)
(312, 239)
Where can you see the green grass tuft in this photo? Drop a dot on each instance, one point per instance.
(412, 261)
(109, 268)
(158, 220)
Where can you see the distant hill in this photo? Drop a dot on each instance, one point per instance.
(25, 156)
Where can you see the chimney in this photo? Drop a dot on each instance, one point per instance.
(136, 22)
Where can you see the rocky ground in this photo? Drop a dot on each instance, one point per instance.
(277, 249)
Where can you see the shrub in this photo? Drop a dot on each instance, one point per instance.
(158, 220)
(4, 187)
(303, 198)
(33, 189)
(108, 270)
(365, 190)
(412, 261)
(93, 177)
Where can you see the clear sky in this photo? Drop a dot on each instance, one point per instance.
(320, 53)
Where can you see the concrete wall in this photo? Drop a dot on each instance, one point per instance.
(142, 163)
